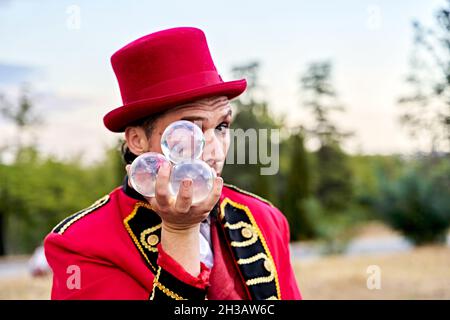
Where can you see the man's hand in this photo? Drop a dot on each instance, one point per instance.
(179, 213)
(180, 227)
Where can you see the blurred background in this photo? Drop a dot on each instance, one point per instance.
(359, 89)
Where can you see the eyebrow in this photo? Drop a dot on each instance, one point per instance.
(194, 118)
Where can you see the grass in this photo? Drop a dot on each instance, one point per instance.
(25, 288)
(423, 273)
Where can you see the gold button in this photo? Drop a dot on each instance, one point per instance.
(268, 265)
(247, 233)
(153, 240)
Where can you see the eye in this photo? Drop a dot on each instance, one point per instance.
(223, 127)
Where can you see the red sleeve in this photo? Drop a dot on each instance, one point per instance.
(290, 290)
(166, 262)
(76, 276)
(172, 281)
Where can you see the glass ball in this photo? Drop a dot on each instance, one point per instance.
(201, 174)
(182, 140)
(143, 172)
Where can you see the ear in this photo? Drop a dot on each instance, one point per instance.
(136, 140)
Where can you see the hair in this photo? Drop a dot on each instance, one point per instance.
(148, 125)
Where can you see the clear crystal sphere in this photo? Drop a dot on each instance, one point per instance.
(143, 172)
(201, 174)
(182, 140)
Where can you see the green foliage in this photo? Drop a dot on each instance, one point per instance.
(314, 190)
(298, 188)
(324, 211)
(248, 176)
(366, 185)
(418, 203)
(334, 185)
(36, 193)
(332, 229)
(324, 194)
(329, 211)
(254, 115)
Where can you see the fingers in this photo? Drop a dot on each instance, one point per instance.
(164, 202)
(184, 198)
(162, 186)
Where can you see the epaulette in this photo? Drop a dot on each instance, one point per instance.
(67, 222)
(248, 193)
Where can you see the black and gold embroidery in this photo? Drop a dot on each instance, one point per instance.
(144, 227)
(66, 223)
(248, 245)
(250, 250)
(164, 281)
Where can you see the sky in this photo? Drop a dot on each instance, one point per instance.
(62, 49)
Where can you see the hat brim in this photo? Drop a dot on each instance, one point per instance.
(118, 119)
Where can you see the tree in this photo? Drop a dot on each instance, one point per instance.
(418, 203)
(298, 187)
(335, 187)
(320, 97)
(251, 113)
(334, 181)
(426, 109)
(41, 191)
(22, 116)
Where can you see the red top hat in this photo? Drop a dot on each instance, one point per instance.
(162, 70)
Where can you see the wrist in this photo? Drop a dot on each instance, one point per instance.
(178, 229)
(183, 245)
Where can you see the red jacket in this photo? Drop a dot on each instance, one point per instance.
(111, 250)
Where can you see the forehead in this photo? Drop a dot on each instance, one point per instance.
(208, 104)
(206, 109)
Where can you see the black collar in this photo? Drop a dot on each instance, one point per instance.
(129, 191)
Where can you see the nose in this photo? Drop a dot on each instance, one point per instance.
(214, 149)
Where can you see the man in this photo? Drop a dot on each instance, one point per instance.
(233, 245)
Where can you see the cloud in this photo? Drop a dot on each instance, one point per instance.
(71, 125)
(47, 101)
(13, 74)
